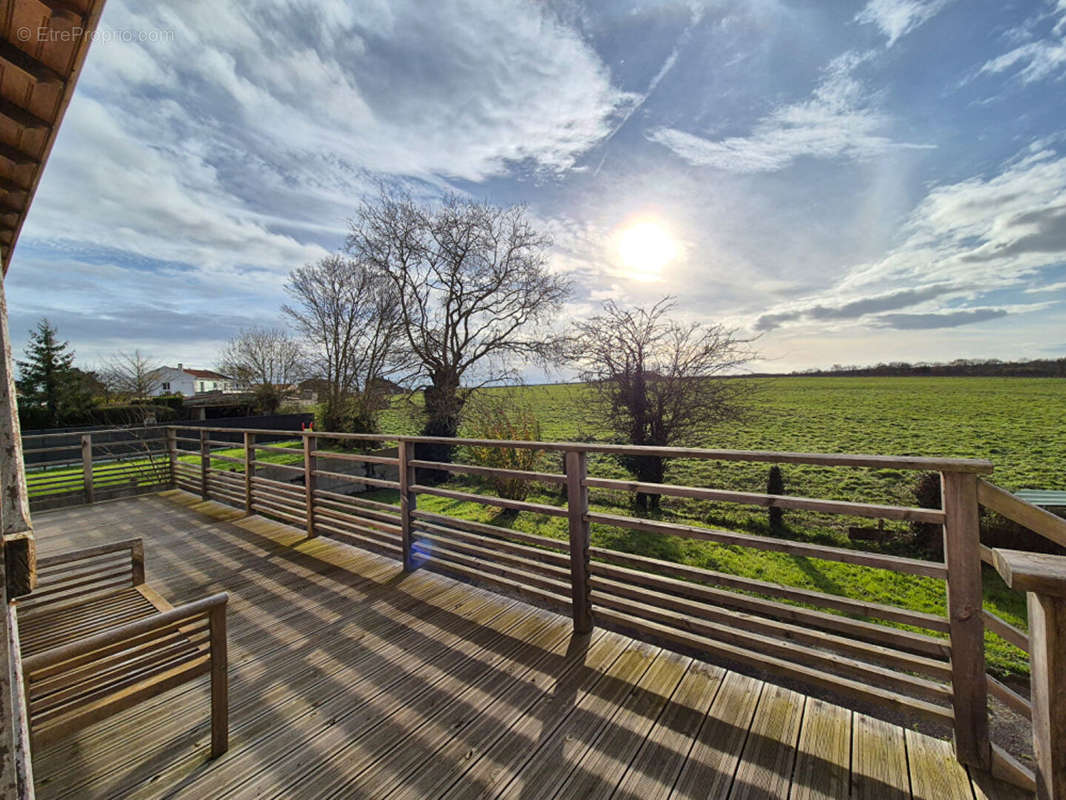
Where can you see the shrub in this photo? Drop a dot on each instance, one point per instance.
(775, 484)
(495, 420)
(928, 536)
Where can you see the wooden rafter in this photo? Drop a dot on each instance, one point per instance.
(37, 81)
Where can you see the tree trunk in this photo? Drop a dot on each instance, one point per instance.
(443, 407)
(649, 469)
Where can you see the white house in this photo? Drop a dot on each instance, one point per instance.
(182, 380)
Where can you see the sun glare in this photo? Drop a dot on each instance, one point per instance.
(646, 248)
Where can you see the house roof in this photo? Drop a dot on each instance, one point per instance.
(205, 373)
(43, 44)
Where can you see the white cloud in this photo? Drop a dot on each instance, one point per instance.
(244, 160)
(960, 243)
(1038, 57)
(837, 121)
(897, 18)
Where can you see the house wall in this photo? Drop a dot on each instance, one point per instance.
(172, 381)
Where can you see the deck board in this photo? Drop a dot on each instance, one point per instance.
(351, 679)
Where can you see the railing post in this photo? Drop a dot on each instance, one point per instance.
(577, 507)
(205, 462)
(962, 556)
(408, 499)
(310, 465)
(249, 469)
(172, 454)
(1043, 578)
(87, 465)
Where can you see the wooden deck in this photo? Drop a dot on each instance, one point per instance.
(350, 679)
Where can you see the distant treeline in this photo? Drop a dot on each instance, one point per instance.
(961, 367)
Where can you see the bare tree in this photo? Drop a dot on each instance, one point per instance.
(265, 360)
(657, 380)
(349, 317)
(132, 374)
(474, 293)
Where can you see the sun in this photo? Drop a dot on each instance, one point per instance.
(646, 247)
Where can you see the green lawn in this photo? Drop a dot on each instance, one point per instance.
(1012, 422)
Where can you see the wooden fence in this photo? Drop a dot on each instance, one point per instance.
(68, 468)
(916, 666)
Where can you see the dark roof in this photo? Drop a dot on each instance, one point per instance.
(205, 373)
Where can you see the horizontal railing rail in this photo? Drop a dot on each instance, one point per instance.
(916, 665)
(100, 465)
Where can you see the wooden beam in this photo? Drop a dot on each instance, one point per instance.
(62, 10)
(14, 502)
(16, 156)
(21, 117)
(1047, 621)
(10, 187)
(577, 510)
(965, 615)
(1043, 577)
(20, 60)
(405, 452)
(249, 470)
(310, 480)
(1032, 572)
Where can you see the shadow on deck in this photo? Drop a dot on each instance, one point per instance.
(350, 679)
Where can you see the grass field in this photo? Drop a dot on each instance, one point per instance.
(1015, 423)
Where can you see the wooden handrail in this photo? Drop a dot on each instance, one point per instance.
(1025, 514)
(932, 464)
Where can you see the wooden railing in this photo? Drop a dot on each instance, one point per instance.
(83, 467)
(882, 658)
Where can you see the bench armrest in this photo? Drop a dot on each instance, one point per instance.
(75, 684)
(143, 630)
(72, 575)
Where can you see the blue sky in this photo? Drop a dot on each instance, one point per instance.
(855, 182)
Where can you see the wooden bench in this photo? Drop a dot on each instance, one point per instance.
(96, 640)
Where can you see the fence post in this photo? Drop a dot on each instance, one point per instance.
(1043, 578)
(87, 465)
(172, 455)
(969, 687)
(408, 499)
(249, 469)
(310, 465)
(205, 462)
(577, 509)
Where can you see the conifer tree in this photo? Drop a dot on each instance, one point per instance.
(48, 383)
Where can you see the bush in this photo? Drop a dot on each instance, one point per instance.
(495, 420)
(927, 536)
(775, 484)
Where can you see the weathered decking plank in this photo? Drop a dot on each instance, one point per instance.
(712, 762)
(656, 767)
(934, 772)
(352, 679)
(766, 762)
(878, 760)
(823, 762)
